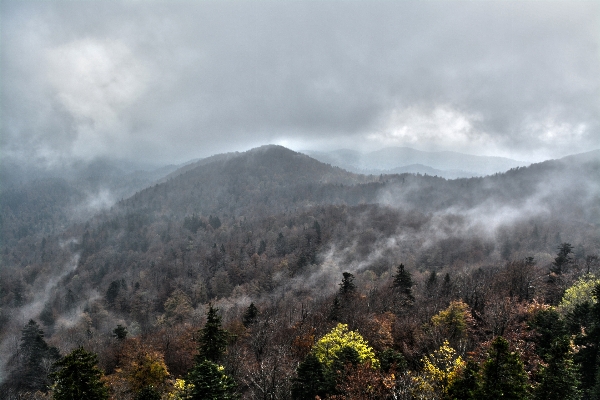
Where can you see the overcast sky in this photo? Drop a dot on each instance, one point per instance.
(168, 82)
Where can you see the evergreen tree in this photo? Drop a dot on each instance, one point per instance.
(336, 308)
(563, 258)
(549, 326)
(468, 385)
(403, 282)
(250, 316)
(210, 382)
(148, 393)
(78, 377)
(213, 338)
(559, 379)
(120, 332)
(347, 286)
(34, 357)
(503, 374)
(584, 322)
(310, 381)
(392, 359)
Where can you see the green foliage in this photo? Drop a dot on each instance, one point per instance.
(34, 356)
(148, 393)
(310, 380)
(559, 380)
(250, 315)
(78, 377)
(563, 258)
(584, 324)
(454, 321)
(504, 376)
(347, 286)
(403, 282)
(327, 348)
(392, 359)
(213, 338)
(549, 325)
(468, 385)
(210, 382)
(120, 332)
(580, 292)
(439, 371)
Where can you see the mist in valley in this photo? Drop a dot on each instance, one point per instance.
(424, 175)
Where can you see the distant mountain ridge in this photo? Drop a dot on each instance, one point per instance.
(446, 164)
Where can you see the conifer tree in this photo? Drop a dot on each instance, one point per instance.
(559, 379)
(403, 282)
(310, 381)
(78, 377)
(347, 286)
(468, 385)
(213, 338)
(563, 258)
(250, 315)
(503, 374)
(34, 356)
(210, 382)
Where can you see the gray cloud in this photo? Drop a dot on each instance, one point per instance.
(168, 82)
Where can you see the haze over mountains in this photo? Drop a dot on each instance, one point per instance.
(447, 164)
(276, 227)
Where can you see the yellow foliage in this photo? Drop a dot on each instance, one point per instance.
(581, 292)
(454, 320)
(440, 369)
(327, 348)
(181, 390)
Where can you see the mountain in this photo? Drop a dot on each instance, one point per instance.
(278, 228)
(389, 160)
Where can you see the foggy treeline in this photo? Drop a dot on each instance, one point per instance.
(439, 278)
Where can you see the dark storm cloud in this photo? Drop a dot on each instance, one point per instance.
(168, 82)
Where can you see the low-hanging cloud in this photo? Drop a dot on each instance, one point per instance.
(167, 83)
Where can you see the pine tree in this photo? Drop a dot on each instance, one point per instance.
(250, 316)
(210, 382)
(34, 356)
(468, 385)
(559, 379)
(310, 381)
(78, 377)
(563, 258)
(403, 282)
(213, 338)
(347, 286)
(503, 374)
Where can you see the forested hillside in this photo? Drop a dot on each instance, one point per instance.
(312, 281)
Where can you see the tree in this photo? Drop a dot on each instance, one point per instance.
(310, 380)
(467, 385)
(35, 359)
(210, 382)
(327, 348)
(403, 282)
(250, 315)
(213, 338)
(78, 377)
(563, 258)
(559, 379)
(504, 376)
(120, 332)
(440, 370)
(347, 287)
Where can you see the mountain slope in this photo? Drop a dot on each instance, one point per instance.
(392, 158)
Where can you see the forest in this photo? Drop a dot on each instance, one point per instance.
(270, 275)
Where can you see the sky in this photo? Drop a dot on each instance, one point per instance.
(167, 82)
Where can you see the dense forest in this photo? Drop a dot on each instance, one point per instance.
(270, 275)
